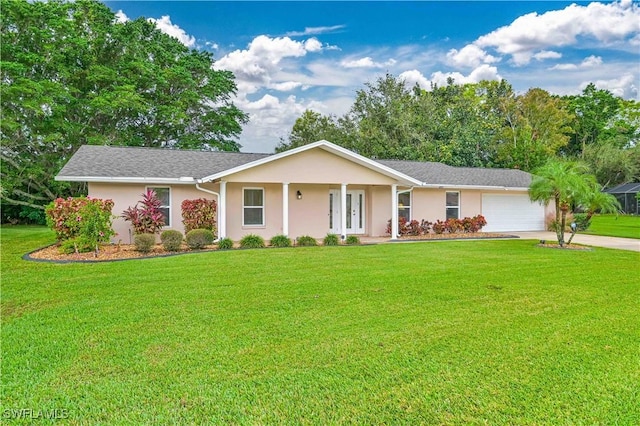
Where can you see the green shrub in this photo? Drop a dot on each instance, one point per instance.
(281, 241)
(306, 241)
(331, 240)
(353, 240)
(581, 220)
(252, 241)
(171, 239)
(144, 242)
(199, 238)
(76, 245)
(225, 244)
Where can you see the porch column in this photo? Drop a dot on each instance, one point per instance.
(394, 211)
(285, 208)
(222, 210)
(343, 209)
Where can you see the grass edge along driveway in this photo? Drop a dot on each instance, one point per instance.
(497, 332)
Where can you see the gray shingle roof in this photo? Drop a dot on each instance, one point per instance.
(442, 174)
(93, 161)
(128, 162)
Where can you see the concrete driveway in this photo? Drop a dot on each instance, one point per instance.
(587, 240)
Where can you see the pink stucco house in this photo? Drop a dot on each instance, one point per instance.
(311, 190)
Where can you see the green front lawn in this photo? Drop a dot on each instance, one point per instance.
(627, 226)
(469, 332)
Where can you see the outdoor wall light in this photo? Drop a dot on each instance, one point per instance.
(299, 195)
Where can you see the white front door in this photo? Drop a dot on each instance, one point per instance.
(355, 212)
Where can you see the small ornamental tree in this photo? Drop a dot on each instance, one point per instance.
(146, 217)
(199, 214)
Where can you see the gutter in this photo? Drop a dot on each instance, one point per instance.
(208, 191)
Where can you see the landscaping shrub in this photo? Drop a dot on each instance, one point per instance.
(144, 242)
(353, 240)
(453, 226)
(306, 241)
(75, 245)
(148, 218)
(439, 227)
(225, 244)
(281, 241)
(331, 240)
(199, 238)
(171, 240)
(199, 214)
(582, 221)
(252, 241)
(68, 217)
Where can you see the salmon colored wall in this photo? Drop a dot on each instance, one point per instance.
(312, 167)
(127, 195)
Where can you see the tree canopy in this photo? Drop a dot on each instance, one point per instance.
(71, 74)
(484, 124)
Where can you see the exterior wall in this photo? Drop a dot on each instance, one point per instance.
(312, 167)
(380, 210)
(127, 195)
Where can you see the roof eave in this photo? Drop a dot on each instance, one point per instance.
(486, 187)
(111, 179)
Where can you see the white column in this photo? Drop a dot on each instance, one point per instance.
(394, 211)
(343, 209)
(222, 210)
(285, 208)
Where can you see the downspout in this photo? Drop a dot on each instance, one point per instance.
(198, 187)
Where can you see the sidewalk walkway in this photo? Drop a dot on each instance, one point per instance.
(587, 240)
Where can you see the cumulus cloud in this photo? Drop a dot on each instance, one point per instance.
(121, 17)
(483, 72)
(625, 86)
(315, 31)
(589, 62)
(546, 54)
(366, 62)
(470, 56)
(164, 24)
(606, 23)
(261, 63)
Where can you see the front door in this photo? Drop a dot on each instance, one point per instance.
(355, 209)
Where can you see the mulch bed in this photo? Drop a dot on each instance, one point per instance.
(565, 247)
(113, 252)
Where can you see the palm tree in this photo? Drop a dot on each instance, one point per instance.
(564, 182)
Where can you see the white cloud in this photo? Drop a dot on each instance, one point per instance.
(606, 23)
(212, 45)
(286, 86)
(483, 72)
(164, 24)
(589, 62)
(315, 31)
(121, 17)
(312, 45)
(546, 54)
(366, 62)
(625, 86)
(470, 56)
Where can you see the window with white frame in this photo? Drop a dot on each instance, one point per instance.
(253, 207)
(453, 205)
(164, 195)
(404, 206)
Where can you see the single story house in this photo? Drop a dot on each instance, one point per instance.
(312, 190)
(627, 196)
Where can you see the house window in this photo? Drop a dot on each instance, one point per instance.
(404, 206)
(453, 205)
(164, 195)
(253, 207)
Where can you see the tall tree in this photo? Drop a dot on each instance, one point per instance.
(72, 75)
(311, 127)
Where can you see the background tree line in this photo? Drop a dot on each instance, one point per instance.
(71, 74)
(484, 124)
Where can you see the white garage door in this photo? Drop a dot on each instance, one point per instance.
(511, 212)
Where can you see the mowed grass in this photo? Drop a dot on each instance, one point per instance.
(469, 332)
(627, 226)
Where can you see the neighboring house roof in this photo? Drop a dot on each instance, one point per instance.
(626, 188)
(98, 163)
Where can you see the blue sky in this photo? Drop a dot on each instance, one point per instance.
(291, 56)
